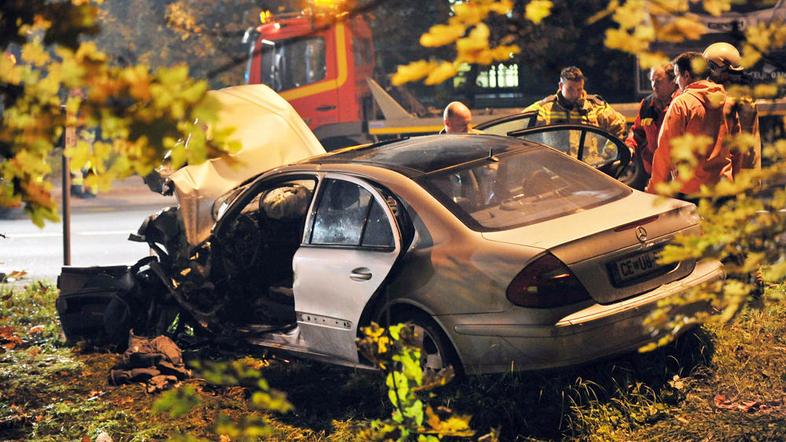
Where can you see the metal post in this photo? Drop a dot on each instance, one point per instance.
(70, 134)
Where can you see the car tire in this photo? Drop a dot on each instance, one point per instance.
(436, 351)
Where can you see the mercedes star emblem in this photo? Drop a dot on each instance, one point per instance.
(641, 234)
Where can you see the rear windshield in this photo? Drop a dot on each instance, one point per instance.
(520, 188)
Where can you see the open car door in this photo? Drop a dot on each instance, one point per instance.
(590, 144)
(351, 243)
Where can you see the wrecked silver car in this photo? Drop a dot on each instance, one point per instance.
(504, 253)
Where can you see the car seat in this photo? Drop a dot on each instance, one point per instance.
(281, 218)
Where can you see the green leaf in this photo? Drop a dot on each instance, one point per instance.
(177, 402)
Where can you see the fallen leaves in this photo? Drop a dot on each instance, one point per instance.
(9, 340)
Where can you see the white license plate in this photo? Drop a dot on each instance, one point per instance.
(636, 266)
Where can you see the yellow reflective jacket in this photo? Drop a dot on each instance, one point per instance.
(589, 109)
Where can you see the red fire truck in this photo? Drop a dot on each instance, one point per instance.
(325, 66)
(320, 66)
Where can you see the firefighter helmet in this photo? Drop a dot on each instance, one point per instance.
(723, 56)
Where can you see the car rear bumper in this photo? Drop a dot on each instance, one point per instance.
(500, 342)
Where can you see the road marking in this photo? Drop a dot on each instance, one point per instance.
(55, 235)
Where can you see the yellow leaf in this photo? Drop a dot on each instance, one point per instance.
(442, 72)
(9, 71)
(668, 7)
(650, 59)
(612, 6)
(750, 56)
(468, 13)
(79, 155)
(441, 35)
(505, 52)
(630, 15)
(34, 54)
(684, 148)
(478, 38)
(474, 48)
(501, 7)
(619, 39)
(412, 72)
(717, 7)
(687, 27)
(537, 10)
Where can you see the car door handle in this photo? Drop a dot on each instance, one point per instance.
(325, 108)
(360, 274)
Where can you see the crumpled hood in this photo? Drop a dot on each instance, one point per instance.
(711, 95)
(271, 134)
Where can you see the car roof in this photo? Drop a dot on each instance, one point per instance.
(422, 155)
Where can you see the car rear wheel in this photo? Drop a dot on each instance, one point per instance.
(436, 351)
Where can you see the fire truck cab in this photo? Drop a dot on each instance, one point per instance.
(320, 66)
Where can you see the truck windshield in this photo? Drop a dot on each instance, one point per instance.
(293, 63)
(521, 188)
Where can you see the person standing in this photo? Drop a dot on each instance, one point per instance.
(643, 136)
(697, 110)
(457, 119)
(572, 104)
(725, 65)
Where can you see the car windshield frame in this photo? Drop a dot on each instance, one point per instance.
(615, 190)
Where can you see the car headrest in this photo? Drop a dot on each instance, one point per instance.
(285, 202)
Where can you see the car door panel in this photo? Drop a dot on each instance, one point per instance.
(334, 282)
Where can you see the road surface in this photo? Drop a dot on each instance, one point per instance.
(99, 233)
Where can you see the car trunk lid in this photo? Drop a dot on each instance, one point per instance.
(612, 249)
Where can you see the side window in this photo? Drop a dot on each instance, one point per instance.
(348, 215)
(294, 63)
(566, 141)
(598, 149)
(361, 51)
(507, 126)
(377, 233)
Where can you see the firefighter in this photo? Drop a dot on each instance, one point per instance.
(724, 62)
(457, 119)
(697, 110)
(643, 136)
(572, 104)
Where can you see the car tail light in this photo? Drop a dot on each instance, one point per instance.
(546, 282)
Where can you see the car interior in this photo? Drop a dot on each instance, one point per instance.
(256, 254)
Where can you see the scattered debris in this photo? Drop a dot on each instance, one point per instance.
(158, 362)
(13, 276)
(36, 330)
(104, 437)
(724, 403)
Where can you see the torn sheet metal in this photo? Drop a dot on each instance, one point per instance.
(271, 134)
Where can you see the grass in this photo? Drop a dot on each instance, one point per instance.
(722, 382)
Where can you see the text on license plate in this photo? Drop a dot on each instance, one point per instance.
(636, 266)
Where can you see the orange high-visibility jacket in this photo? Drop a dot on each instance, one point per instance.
(698, 111)
(643, 135)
